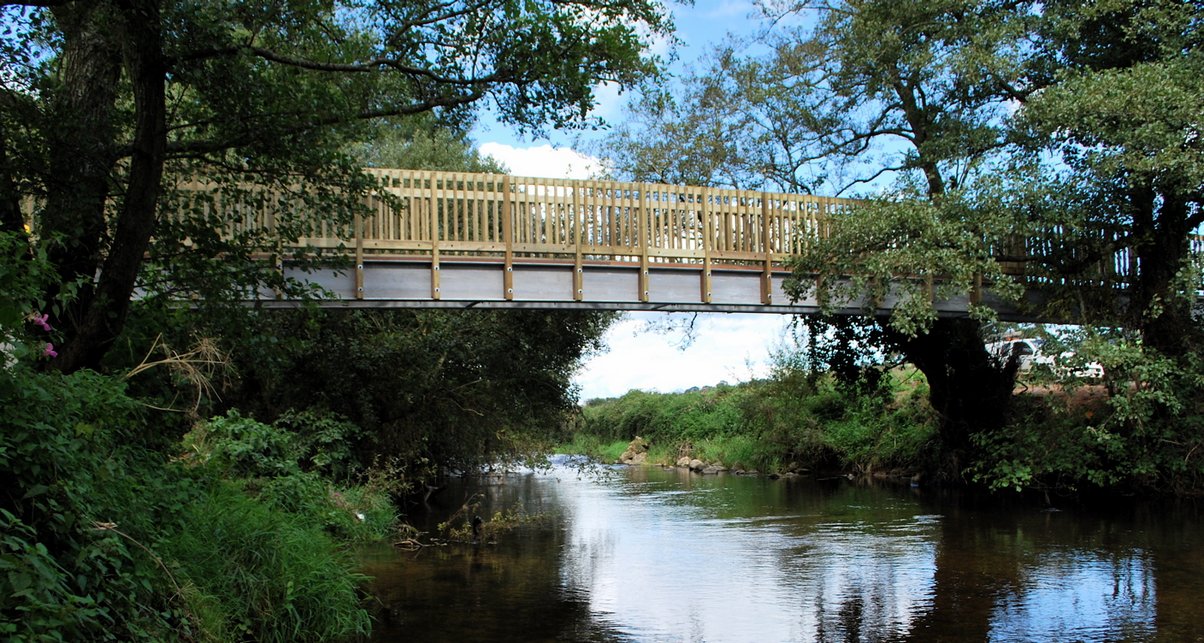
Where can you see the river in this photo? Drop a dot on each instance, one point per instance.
(648, 554)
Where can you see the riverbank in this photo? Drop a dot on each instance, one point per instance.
(1131, 433)
(113, 530)
(783, 426)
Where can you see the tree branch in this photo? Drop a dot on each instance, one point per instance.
(182, 149)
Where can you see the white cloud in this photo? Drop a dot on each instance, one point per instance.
(610, 101)
(543, 161)
(728, 347)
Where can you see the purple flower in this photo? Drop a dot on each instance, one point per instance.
(40, 320)
(49, 351)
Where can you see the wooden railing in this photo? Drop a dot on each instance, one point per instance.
(443, 214)
(489, 214)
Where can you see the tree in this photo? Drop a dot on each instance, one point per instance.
(451, 390)
(421, 143)
(906, 99)
(1116, 134)
(107, 105)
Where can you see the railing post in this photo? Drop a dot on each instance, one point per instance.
(767, 271)
(642, 221)
(435, 232)
(507, 239)
(578, 222)
(358, 231)
(708, 231)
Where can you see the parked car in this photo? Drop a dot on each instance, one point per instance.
(1029, 354)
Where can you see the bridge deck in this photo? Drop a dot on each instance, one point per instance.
(462, 239)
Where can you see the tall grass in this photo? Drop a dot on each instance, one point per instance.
(262, 574)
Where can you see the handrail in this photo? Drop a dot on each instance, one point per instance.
(498, 215)
(441, 214)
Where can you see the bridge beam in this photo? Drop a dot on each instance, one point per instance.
(565, 285)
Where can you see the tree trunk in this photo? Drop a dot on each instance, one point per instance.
(1162, 314)
(104, 318)
(11, 219)
(98, 314)
(80, 146)
(967, 389)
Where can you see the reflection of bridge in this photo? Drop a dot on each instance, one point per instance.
(453, 239)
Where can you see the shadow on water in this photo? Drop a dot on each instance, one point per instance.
(664, 555)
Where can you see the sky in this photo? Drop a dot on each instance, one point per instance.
(726, 347)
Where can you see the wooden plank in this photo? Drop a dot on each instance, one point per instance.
(766, 274)
(507, 240)
(359, 255)
(640, 215)
(708, 239)
(578, 232)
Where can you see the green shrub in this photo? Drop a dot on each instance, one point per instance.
(104, 539)
(352, 514)
(325, 442)
(1147, 436)
(242, 447)
(82, 506)
(792, 417)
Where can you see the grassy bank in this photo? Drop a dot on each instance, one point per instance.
(114, 531)
(771, 425)
(1137, 430)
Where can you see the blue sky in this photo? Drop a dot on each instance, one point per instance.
(726, 347)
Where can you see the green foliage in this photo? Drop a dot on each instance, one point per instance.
(243, 95)
(831, 97)
(1144, 433)
(692, 415)
(945, 248)
(268, 462)
(765, 425)
(350, 514)
(325, 442)
(71, 463)
(420, 143)
(599, 449)
(240, 447)
(270, 576)
(105, 539)
(429, 388)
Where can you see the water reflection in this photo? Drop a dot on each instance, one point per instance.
(655, 555)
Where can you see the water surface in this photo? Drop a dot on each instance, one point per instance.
(646, 554)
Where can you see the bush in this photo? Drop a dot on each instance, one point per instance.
(82, 505)
(104, 539)
(352, 514)
(240, 447)
(1148, 435)
(325, 442)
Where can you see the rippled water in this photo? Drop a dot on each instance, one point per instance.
(647, 554)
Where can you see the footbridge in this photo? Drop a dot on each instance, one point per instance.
(464, 240)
